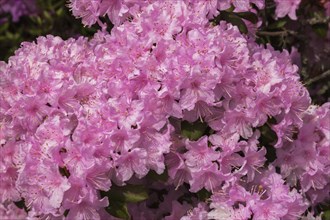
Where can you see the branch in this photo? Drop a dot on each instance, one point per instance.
(317, 78)
(275, 33)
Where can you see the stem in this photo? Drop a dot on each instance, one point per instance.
(317, 78)
(275, 33)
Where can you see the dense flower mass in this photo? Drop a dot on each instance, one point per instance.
(119, 10)
(79, 117)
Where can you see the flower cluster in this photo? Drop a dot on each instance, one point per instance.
(79, 116)
(272, 199)
(120, 10)
(305, 157)
(17, 8)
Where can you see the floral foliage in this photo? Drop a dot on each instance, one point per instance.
(167, 103)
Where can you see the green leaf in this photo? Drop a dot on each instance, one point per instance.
(47, 15)
(248, 16)
(119, 196)
(135, 194)
(321, 29)
(39, 20)
(66, 212)
(234, 20)
(119, 210)
(4, 27)
(152, 175)
(13, 36)
(277, 25)
(59, 12)
(128, 193)
(267, 139)
(21, 204)
(64, 171)
(193, 131)
(326, 215)
(203, 194)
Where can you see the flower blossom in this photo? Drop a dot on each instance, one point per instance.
(78, 116)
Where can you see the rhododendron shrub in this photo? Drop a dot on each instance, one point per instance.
(164, 117)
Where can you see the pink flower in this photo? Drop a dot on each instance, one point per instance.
(10, 211)
(177, 169)
(197, 88)
(241, 5)
(124, 139)
(209, 177)
(131, 161)
(253, 160)
(34, 112)
(77, 158)
(42, 186)
(199, 154)
(83, 203)
(199, 212)
(287, 7)
(298, 103)
(240, 121)
(99, 176)
(327, 8)
(8, 189)
(67, 101)
(18, 8)
(88, 10)
(269, 210)
(156, 144)
(296, 205)
(78, 114)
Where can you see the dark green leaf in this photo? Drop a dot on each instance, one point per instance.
(59, 12)
(4, 27)
(233, 19)
(66, 212)
(128, 193)
(21, 204)
(152, 175)
(203, 194)
(326, 215)
(119, 196)
(277, 25)
(119, 210)
(135, 194)
(321, 29)
(268, 136)
(267, 139)
(64, 171)
(248, 16)
(193, 131)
